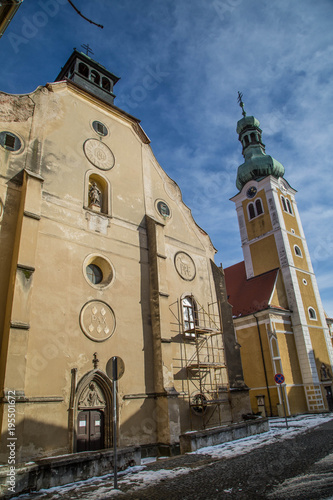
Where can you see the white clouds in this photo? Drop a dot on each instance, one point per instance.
(279, 54)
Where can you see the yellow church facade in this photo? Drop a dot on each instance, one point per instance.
(100, 258)
(278, 315)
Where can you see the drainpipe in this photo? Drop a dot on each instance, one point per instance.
(265, 371)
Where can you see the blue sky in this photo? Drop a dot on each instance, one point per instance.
(279, 54)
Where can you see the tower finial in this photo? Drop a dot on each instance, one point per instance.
(87, 48)
(240, 97)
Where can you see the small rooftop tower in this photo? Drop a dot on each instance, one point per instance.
(90, 75)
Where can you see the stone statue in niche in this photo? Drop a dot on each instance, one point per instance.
(91, 397)
(95, 197)
(325, 373)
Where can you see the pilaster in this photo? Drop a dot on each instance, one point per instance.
(167, 410)
(17, 323)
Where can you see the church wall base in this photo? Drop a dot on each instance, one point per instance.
(210, 437)
(57, 471)
(239, 404)
(160, 450)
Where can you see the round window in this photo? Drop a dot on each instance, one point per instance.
(98, 271)
(94, 273)
(100, 128)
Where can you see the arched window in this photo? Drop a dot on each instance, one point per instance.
(298, 251)
(84, 70)
(255, 209)
(190, 315)
(253, 137)
(259, 208)
(284, 204)
(312, 313)
(106, 84)
(251, 210)
(97, 196)
(94, 77)
(246, 139)
(289, 206)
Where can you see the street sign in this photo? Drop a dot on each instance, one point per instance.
(116, 366)
(279, 378)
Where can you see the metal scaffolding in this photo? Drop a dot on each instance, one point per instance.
(204, 362)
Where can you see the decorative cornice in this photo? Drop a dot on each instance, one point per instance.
(31, 215)
(18, 325)
(36, 399)
(150, 395)
(26, 268)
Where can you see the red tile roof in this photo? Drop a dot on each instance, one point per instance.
(248, 296)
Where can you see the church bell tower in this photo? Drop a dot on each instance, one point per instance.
(272, 238)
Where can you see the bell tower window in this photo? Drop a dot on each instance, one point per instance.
(106, 84)
(251, 210)
(286, 205)
(84, 70)
(94, 77)
(255, 209)
(259, 208)
(289, 206)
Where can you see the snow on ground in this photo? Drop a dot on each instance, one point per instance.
(137, 477)
(277, 431)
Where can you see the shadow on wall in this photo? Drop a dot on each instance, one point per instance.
(31, 439)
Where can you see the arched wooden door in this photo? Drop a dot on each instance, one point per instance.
(93, 421)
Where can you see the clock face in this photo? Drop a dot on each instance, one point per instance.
(283, 186)
(251, 192)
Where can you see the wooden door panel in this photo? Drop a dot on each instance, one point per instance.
(90, 430)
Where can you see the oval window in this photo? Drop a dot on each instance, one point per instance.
(100, 128)
(10, 141)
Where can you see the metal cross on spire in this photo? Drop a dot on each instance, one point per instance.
(87, 48)
(240, 102)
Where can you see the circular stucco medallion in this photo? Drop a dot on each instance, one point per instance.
(97, 320)
(99, 154)
(185, 266)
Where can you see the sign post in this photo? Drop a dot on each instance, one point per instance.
(115, 369)
(279, 379)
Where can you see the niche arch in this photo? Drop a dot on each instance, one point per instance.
(97, 193)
